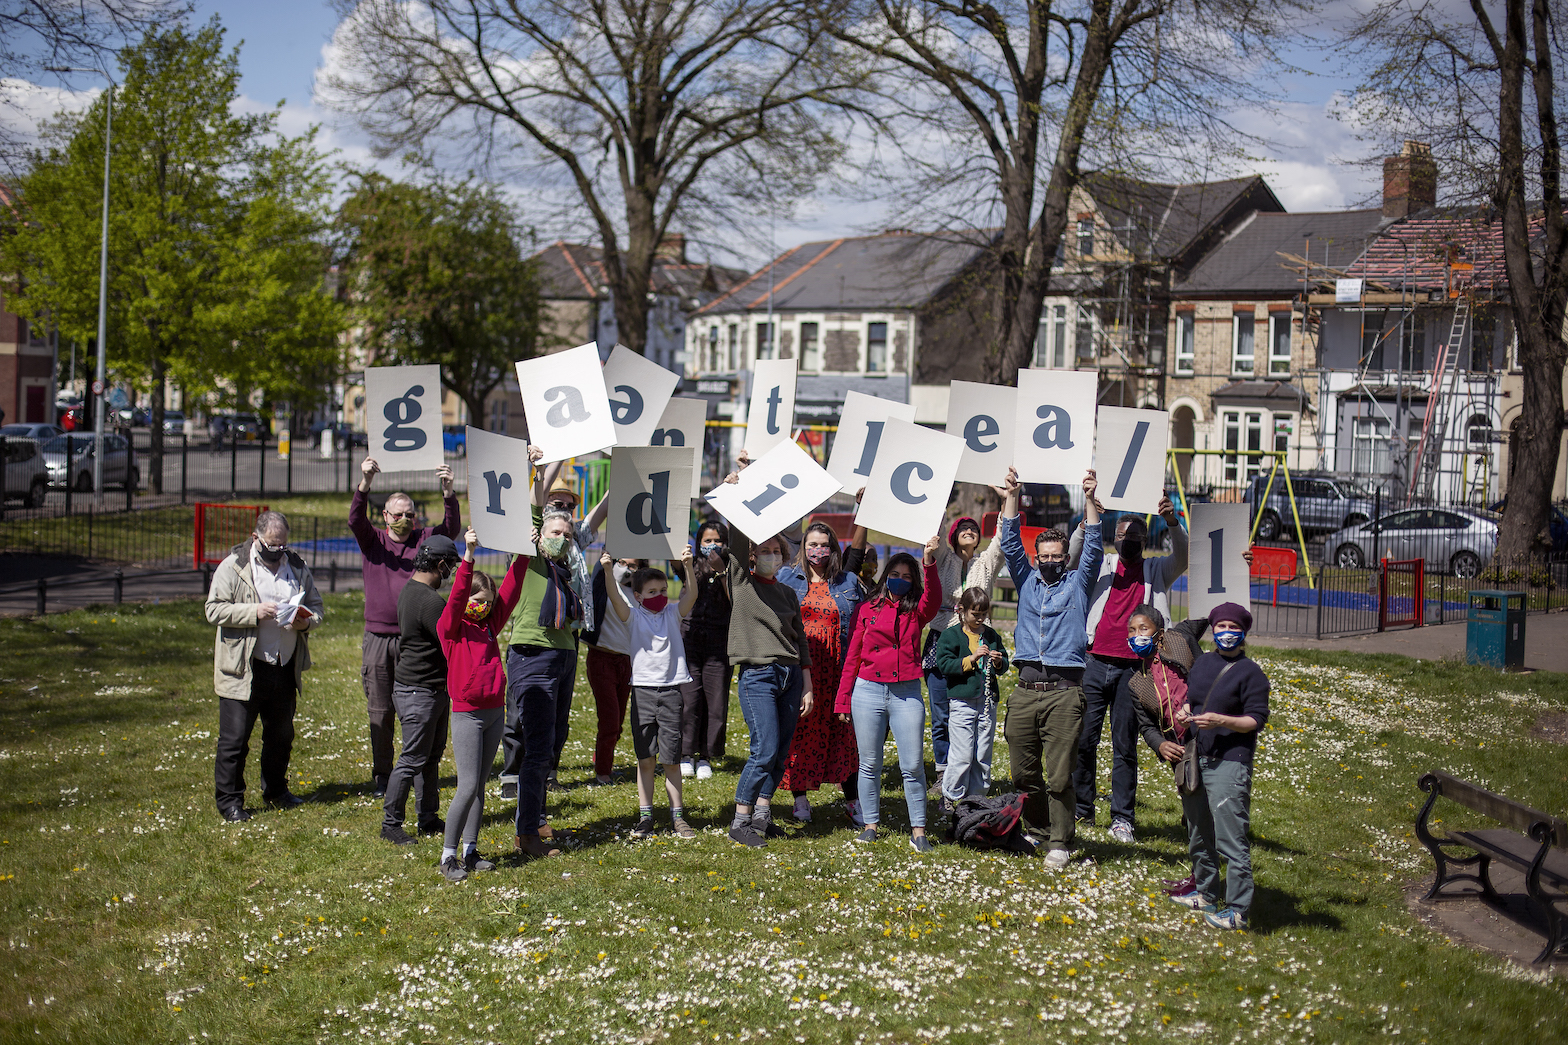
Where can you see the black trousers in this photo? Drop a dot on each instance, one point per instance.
(272, 699)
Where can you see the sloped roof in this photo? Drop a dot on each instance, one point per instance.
(893, 270)
(1173, 219)
(575, 272)
(1248, 261)
(1417, 252)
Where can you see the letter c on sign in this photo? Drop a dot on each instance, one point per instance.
(900, 481)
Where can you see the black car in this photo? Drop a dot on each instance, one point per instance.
(1324, 503)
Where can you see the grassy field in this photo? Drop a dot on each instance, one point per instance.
(131, 913)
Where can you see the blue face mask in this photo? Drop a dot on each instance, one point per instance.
(898, 587)
(1228, 639)
(1143, 645)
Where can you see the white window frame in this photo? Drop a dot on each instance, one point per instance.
(1242, 426)
(1279, 365)
(883, 361)
(1370, 445)
(1085, 231)
(1186, 342)
(811, 355)
(1243, 366)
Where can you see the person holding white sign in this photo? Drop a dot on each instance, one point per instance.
(1127, 580)
(1045, 710)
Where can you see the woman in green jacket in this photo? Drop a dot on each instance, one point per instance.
(971, 656)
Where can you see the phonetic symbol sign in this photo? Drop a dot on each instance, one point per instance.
(982, 416)
(638, 389)
(1129, 455)
(565, 402)
(770, 414)
(403, 416)
(1217, 573)
(648, 506)
(683, 424)
(1053, 425)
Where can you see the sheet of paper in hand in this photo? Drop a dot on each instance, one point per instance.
(1216, 571)
(638, 388)
(906, 496)
(403, 417)
(1053, 425)
(982, 416)
(649, 507)
(565, 403)
(770, 413)
(500, 491)
(860, 434)
(780, 487)
(1129, 456)
(684, 424)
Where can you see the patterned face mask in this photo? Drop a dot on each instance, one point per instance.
(478, 608)
(553, 547)
(818, 554)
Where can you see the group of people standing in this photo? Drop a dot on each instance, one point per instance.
(830, 657)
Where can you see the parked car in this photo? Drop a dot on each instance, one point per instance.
(344, 434)
(1556, 523)
(1324, 503)
(454, 438)
(117, 465)
(1459, 541)
(40, 432)
(248, 426)
(173, 422)
(26, 475)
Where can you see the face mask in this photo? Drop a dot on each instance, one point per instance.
(655, 603)
(768, 563)
(1228, 640)
(1130, 547)
(818, 554)
(1051, 572)
(477, 609)
(268, 555)
(553, 547)
(1143, 645)
(712, 548)
(898, 587)
(401, 528)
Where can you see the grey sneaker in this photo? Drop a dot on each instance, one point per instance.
(509, 790)
(398, 836)
(1121, 831)
(683, 829)
(1229, 918)
(453, 870)
(920, 844)
(867, 836)
(644, 828)
(474, 862)
(1056, 859)
(746, 836)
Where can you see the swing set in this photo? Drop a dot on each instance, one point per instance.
(1267, 564)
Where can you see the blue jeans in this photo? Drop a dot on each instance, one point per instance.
(936, 688)
(973, 734)
(770, 702)
(1105, 690)
(875, 707)
(1218, 815)
(538, 683)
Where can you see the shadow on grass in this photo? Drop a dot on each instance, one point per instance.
(1274, 910)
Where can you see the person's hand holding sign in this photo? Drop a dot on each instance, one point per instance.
(932, 545)
(444, 473)
(367, 470)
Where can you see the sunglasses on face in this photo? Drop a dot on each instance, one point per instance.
(273, 548)
(399, 515)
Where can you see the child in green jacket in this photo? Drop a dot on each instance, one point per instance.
(972, 657)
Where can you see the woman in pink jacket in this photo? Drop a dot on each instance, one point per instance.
(880, 686)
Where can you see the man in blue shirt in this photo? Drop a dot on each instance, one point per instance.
(1045, 710)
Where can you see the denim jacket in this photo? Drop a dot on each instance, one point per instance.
(1051, 618)
(845, 589)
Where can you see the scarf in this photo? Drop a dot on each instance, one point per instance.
(560, 604)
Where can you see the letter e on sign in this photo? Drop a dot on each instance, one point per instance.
(982, 415)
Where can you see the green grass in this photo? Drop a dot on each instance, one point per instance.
(131, 913)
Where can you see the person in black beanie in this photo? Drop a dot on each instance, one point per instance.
(1227, 703)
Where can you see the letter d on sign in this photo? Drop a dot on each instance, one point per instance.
(655, 502)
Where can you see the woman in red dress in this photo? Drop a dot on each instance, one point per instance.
(827, 582)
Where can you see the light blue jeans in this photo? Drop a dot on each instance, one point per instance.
(971, 734)
(874, 708)
(1218, 816)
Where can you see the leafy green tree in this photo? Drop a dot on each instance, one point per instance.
(217, 250)
(436, 274)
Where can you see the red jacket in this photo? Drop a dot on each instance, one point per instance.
(474, 679)
(886, 644)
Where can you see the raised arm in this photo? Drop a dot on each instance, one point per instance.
(545, 477)
(931, 584)
(451, 517)
(1174, 564)
(451, 623)
(359, 510)
(613, 592)
(511, 592)
(1009, 531)
(688, 582)
(595, 518)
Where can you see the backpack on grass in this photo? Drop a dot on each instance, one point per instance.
(990, 823)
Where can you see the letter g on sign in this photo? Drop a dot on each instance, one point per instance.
(901, 477)
(403, 412)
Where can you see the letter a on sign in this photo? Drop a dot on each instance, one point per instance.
(403, 417)
(780, 487)
(770, 413)
(982, 416)
(564, 401)
(859, 437)
(638, 388)
(499, 494)
(906, 496)
(649, 508)
(1216, 571)
(1129, 458)
(1053, 425)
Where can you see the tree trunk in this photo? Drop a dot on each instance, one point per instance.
(155, 463)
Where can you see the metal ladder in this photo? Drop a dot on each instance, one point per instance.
(1434, 426)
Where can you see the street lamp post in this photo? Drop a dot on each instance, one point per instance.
(100, 386)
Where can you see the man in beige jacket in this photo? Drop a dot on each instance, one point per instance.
(264, 602)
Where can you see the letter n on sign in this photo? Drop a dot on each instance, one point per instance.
(649, 510)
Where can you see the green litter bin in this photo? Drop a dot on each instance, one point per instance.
(1494, 630)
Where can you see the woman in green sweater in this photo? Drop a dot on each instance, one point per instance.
(971, 656)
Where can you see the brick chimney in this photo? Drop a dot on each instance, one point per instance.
(1409, 180)
(673, 246)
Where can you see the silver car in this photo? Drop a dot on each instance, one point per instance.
(25, 475)
(1459, 541)
(117, 466)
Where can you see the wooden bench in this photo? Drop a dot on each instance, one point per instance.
(1541, 853)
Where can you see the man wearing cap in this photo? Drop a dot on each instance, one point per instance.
(388, 561)
(419, 693)
(1127, 580)
(1228, 703)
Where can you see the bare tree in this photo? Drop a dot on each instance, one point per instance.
(674, 105)
(1483, 90)
(1014, 96)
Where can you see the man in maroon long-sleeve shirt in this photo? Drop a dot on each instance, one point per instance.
(388, 563)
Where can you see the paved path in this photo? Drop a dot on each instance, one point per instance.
(72, 584)
(1545, 642)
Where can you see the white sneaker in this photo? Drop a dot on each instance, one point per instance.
(1121, 831)
(852, 810)
(704, 771)
(687, 769)
(803, 809)
(1056, 859)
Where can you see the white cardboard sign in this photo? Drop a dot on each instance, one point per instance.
(982, 416)
(1216, 571)
(907, 494)
(1053, 427)
(683, 424)
(770, 415)
(403, 417)
(859, 435)
(779, 488)
(1130, 458)
(648, 505)
(638, 388)
(500, 491)
(565, 403)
